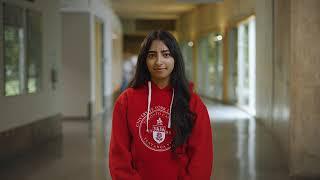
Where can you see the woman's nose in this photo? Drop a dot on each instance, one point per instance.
(159, 59)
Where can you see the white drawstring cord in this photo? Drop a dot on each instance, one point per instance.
(169, 123)
(149, 102)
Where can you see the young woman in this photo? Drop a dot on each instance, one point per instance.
(160, 127)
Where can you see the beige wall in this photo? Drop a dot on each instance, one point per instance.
(96, 9)
(287, 79)
(264, 61)
(24, 109)
(273, 56)
(281, 67)
(304, 84)
(76, 63)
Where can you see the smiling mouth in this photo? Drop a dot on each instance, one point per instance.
(159, 69)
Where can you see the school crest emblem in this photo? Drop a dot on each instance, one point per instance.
(159, 132)
(159, 137)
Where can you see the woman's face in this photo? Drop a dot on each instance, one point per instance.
(160, 62)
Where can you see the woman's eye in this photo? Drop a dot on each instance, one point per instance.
(150, 56)
(166, 55)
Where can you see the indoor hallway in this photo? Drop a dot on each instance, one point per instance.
(244, 150)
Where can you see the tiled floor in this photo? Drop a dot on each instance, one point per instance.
(243, 151)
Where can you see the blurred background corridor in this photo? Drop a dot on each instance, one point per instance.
(255, 64)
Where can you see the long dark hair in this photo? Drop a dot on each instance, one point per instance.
(182, 118)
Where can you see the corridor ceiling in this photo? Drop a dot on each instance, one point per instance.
(151, 9)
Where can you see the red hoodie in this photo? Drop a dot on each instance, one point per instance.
(140, 147)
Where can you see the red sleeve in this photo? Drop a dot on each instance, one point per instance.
(120, 158)
(200, 146)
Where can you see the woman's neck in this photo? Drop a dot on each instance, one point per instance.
(161, 83)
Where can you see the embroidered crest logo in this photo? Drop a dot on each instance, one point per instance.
(159, 132)
(159, 137)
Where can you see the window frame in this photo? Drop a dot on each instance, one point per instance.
(24, 70)
(39, 62)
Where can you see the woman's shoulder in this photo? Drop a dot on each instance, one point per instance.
(195, 98)
(128, 93)
(196, 101)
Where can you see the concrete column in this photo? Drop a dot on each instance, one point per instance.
(288, 79)
(305, 88)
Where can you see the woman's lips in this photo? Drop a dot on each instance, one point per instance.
(159, 69)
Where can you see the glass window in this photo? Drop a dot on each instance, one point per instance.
(186, 49)
(233, 64)
(246, 65)
(202, 65)
(13, 50)
(210, 72)
(34, 55)
(22, 50)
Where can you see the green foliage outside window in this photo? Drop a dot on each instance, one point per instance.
(12, 56)
(22, 50)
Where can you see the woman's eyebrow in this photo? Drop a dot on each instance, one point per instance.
(166, 50)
